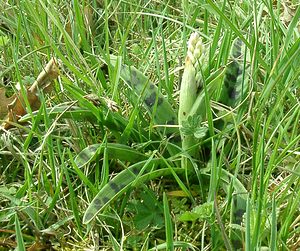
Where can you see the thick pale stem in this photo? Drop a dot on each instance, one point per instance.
(188, 93)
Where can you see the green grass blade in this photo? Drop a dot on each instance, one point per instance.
(273, 240)
(19, 236)
(73, 201)
(168, 224)
(248, 226)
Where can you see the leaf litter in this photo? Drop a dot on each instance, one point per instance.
(14, 107)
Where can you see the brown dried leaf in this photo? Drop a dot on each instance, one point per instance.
(48, 74)
(15, 106)
(4, 101)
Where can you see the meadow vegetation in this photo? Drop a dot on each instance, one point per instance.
(168, 125)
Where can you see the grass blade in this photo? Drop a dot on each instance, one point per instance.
(168, 224)
(19, 236)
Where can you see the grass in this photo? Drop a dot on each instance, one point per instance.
(81, 174)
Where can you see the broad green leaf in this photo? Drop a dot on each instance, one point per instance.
(155, 103)
(235, 81)
(114, 150)
(66, 112)
(116, 186)
(132, 176)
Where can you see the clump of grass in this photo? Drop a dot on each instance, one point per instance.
(82, 175)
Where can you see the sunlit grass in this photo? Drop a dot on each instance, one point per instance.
(96, 166)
